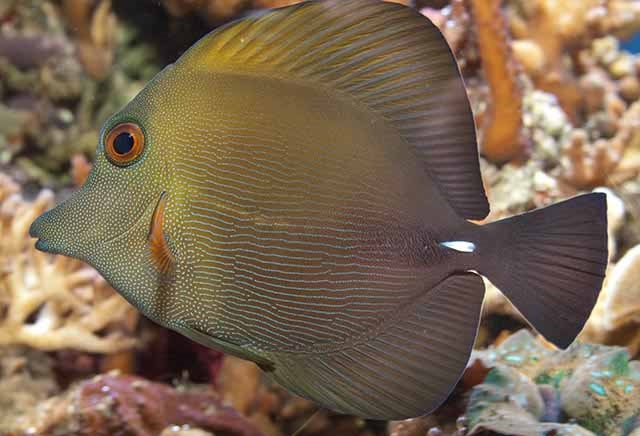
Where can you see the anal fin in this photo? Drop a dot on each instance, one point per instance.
(407, 370)
(224, 346)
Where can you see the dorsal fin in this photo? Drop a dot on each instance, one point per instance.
(387, 57)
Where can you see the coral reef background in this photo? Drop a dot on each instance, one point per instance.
(556, 97)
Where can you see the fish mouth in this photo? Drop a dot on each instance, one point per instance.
(43, 245)
(47, 246)
(35, 231)
(42, 227)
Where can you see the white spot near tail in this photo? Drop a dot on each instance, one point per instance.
(462, 246)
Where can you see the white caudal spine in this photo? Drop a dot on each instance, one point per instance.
(461, 246)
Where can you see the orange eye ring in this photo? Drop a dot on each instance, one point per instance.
(124, 143)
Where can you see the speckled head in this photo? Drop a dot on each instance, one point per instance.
(115, 221)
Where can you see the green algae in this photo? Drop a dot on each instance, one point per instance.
(553, 378)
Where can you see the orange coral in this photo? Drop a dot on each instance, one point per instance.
(80, 169)
(555, 31)
(502, 138)
(587, 165)
(453, 22)
(553, 28)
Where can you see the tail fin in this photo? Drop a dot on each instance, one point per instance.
(550, 263)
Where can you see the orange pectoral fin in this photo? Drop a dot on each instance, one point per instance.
(161, 254)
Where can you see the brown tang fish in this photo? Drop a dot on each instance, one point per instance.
(296, 189)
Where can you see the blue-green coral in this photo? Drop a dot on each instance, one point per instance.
(532, 390)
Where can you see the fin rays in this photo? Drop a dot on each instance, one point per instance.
(385, 56)
(406, 369)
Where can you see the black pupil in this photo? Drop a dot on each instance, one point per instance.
(123, 143)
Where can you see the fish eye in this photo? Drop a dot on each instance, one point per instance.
(124, 143)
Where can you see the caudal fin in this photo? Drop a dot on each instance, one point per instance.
(550, 263)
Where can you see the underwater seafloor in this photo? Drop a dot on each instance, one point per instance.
(557, 105)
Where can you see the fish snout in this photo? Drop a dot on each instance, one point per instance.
(35, 230)
(63, 229)
(45, 229)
